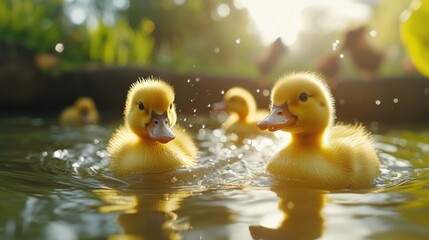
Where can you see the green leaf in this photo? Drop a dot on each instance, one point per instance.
(415, 34)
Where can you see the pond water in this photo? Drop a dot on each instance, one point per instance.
(55, 184)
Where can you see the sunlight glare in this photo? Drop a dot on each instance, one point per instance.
(286, 18)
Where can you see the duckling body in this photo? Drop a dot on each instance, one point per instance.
(148, 142)
(81, 113)
(243, 113)
(320, 153)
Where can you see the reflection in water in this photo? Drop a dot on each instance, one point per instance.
(145, 214)
(301, 215)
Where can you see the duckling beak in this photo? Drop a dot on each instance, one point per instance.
(159, 128)
(219, 106)
(279, 117)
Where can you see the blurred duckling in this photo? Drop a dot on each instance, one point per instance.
(81, 113)
(243, 113)
(364, 56)
(320, 154)
(149, 141)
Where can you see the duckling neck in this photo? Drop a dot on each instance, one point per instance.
(313, 140)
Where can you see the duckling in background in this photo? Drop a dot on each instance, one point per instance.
(320, 154)
(243, 113)
(149, 141)
(81, 113)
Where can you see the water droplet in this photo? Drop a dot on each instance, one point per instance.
(184, 119)
(222, 92)
(266, 92)
(209, 105)
(203, 126)
(216, 50)
(223, 10)
(59, 47)
(257, 90)
(195, 110)
(377, 102)
(373, 33)
(342, 101)
(197, 79)
(238, 41)
(191, 125)
(173, 180)
(96, 141)
(44, 154)
(395, 100)
(189, 80)
(341, 55)
(75, 165)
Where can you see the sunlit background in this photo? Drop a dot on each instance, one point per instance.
(216, 36)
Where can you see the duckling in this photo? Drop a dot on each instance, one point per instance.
(81, 113)
(320, 153)
(149, 141)
(243, 113)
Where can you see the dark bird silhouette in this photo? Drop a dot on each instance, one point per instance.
(329, 67)
(365, 57)
(270, 58)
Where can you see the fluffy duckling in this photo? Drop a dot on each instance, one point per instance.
(81, 113)
(320, 154)
(147, 142)
(242, 110)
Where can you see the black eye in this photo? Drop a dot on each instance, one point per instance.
(171, 105)
(141, 106)
(303, 97)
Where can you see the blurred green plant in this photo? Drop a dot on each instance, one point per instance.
(415, 34)
(37, 26)
(30, 24)
(121, 44)
(185, 36)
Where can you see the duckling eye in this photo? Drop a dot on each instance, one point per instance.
(141, 106)
(171, 106)
(303, 97)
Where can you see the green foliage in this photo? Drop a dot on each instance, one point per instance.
(415, 34)
(185, 37)
(120, 44)
(30, 24)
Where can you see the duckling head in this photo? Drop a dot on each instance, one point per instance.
(150, 111)
(237, 100)
(301, 103)
(85, 106)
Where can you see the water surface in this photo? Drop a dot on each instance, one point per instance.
(55, 184)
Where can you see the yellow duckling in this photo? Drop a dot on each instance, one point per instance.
(146, 143)
(242, 110)
(81, 113)
(320, 153)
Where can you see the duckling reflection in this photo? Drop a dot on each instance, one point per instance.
(143, 214)
(301, 215)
